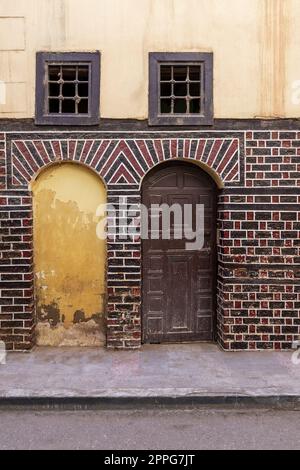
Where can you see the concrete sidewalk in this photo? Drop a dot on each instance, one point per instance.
(199, 373)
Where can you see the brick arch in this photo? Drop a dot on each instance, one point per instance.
(124, 161)
(30, 157)
(132, 159)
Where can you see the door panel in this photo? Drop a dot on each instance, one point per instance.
(178, 318)
(179, 284)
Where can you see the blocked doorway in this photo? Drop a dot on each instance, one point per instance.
(69, 257)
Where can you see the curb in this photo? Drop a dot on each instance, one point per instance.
(125, 402)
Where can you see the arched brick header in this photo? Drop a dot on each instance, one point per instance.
(125, 161)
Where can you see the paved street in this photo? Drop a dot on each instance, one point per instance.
(150, 429)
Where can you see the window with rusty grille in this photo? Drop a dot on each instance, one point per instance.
(67, 88)
(180, 88)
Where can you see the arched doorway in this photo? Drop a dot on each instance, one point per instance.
(69, 257)
(179, 284)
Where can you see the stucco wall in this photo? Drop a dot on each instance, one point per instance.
(69, 258)
(256, 46)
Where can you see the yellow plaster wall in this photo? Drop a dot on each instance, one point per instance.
(69, 258)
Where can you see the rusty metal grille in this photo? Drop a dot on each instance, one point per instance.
(68, 88)
(181, 89)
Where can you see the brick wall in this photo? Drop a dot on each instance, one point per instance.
(16, 270)
(259, 220)
(16, 273)
(2, 161)
(259, 247)
(124, 277)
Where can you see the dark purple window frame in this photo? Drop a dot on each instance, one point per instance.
(158, 58)
(93, 59)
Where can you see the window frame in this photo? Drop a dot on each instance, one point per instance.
(172, 58)
(43, 59)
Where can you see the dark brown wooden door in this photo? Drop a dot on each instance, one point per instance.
(179, 285)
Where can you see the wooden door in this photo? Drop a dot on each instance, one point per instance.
(179, 285)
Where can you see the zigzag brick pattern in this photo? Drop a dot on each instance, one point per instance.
(124, 161)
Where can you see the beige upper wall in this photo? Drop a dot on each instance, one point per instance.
(256, 46)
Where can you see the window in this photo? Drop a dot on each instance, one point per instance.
(67, 88)
(180, 88)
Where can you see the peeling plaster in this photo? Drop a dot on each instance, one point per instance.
(69, 258)
(79, 334)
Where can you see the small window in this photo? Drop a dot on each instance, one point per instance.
(180, 88)
(67, 88)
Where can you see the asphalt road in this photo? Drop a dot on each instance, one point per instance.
(150, 429)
